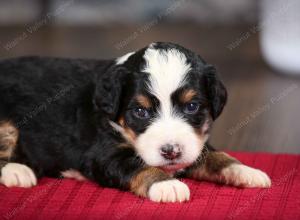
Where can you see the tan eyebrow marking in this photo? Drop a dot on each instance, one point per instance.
(144, 101)
(187, 95)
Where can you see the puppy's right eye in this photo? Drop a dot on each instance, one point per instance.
(191, 108)
(141, 113)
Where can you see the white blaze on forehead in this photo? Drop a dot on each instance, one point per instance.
(123, 58)
(167, 69)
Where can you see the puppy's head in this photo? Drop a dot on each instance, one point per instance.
(163, 100)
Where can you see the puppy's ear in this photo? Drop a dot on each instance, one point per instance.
(216, 91)
(108, 92)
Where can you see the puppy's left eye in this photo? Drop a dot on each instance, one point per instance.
(191, 108)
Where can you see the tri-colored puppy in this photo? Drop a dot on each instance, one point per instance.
(133, 123)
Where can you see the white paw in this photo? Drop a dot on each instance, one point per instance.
(244, 176)
(169, 191)
(19, 175)
(73, 174)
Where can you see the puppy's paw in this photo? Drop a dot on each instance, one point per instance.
(73, 174)
(244, 176)
(19, 175)
(169, 191)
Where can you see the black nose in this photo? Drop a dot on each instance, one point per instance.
(170, 151)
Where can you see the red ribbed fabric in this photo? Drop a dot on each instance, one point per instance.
(68, 199)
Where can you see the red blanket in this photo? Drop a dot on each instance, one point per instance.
(68, 199)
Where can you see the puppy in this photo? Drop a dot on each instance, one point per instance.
(134, 123)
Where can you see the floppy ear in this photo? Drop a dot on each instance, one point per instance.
(109, 86)
(216, 91)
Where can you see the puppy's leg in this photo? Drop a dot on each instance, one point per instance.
(158, 186)
(220, 167)
(12, 174)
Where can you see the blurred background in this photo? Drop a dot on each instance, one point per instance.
(254, 45)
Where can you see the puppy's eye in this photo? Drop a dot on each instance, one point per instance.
(191, 108)
(141, 113)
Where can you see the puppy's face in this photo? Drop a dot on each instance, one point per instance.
(166, 106)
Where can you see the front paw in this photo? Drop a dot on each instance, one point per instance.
(244, 176)
(169, 191)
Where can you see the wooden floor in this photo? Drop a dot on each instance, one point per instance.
(263, 110)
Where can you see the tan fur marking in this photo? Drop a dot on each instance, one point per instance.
(122, 122)
(8, 139)
(187, 95)
(141, 183)
(214, 163)
(128, 132)
(144, 101)
(131, 136)
(125, 145)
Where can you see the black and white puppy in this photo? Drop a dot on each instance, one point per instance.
(133, 123)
